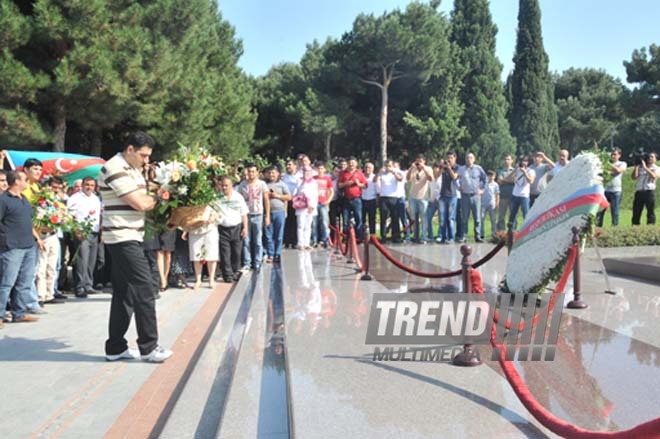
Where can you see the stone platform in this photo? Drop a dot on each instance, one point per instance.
(283, 354)
(647, 268)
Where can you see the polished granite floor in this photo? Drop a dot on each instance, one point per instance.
(323, 382)
(288, 358)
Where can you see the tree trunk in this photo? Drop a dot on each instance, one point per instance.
(328, 142)
(96, 148)
(383, 123)
(59, 133)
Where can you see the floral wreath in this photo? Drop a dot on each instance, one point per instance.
(541, 245)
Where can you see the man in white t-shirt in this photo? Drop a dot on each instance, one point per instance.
(522, 179)
(369, 197)
(388, 182)
(560, 164)
(613, 189)
(646, 174)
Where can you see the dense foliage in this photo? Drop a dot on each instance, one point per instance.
(78, 75)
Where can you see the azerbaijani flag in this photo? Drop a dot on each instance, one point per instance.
(70, 167)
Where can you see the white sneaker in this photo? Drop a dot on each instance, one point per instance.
(158, 355)
(128, 354)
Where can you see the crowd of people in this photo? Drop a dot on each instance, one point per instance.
(253, 220)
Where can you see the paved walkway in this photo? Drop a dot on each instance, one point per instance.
(233, 376)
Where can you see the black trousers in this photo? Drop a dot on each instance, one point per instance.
(334, 215)
(132, 285)
(152, 261)
(389, 207)
(644, 199)
(369, 214)
(231, 245)
(290, 226)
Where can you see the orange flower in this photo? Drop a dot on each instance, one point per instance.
(165, 195)
(191, 164)
(55, 219)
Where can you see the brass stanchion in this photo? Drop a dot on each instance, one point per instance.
(576, 303)
(468, 357)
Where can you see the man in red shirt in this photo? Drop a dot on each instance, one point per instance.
(326, 191)
(351, 182)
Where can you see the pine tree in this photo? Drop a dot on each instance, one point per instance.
(533, 111)
(479, 72)
(20, 124)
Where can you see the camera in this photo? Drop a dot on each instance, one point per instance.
(522, 162)
(639, 156)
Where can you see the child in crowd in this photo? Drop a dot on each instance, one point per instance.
(490, 201)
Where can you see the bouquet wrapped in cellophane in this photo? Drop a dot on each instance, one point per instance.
(51, 215)
(186, 188)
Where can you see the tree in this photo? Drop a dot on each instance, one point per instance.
(478, 72)
(381, 50)
(533, 115)
(646, 73)
(437, 124)
(278, 125)
(590, 107)
(323, 111)
(20, 124)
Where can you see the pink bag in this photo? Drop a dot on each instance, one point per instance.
(299, 201)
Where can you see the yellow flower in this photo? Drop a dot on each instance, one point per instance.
(176, 176)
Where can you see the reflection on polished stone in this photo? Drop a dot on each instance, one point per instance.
(607, 357)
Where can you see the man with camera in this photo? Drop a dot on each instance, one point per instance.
(420, 177)
(448, 198)
(613, 188)
(646, 173)
(522, 178)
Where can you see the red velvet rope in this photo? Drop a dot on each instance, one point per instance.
(410, 270)
(356, 253)
(650, 429)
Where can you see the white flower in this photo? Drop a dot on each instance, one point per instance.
(182, 190)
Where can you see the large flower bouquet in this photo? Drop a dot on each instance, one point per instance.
(186, 188)
(52, 215)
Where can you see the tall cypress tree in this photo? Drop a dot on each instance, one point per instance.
(479, 71)
(533, 111)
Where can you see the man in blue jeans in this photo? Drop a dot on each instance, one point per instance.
(448, 198)
(17, 255)
(279, 195)
(352, 181)
(472, 181)
(255, 192)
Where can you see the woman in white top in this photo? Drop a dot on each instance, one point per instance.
(522, 178)
(305, 202)
(203, 247)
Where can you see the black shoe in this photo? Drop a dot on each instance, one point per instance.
(228, 280)
(60, 296)
(99, 287)
(237, 276)
(92, 291)
(479, 240)
(81, 294)
(53, 301)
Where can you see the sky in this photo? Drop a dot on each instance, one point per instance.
(576, 33)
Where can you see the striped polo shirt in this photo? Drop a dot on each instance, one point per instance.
(120, 222)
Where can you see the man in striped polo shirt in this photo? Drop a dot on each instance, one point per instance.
(125, 200)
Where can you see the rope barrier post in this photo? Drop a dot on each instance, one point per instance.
(351, 235)
(576, 303)
(468, 357)
(337, 238)
(509, 239)
(365, 262)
